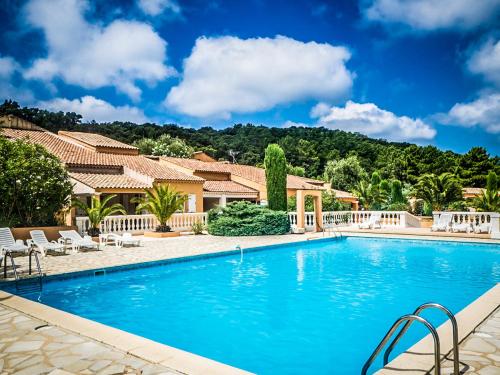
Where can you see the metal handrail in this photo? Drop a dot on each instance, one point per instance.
(418, 310)
(395, 326)
(8, 253)
(39, 269)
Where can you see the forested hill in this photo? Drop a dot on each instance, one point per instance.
(310, 148)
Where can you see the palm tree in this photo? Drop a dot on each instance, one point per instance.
(364, 193)
(489, 200)
(98, 211)
(438, 191)
(162, 201)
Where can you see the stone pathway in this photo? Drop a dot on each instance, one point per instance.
(480, 352)
(29, 347)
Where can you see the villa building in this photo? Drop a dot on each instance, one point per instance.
(99, 166)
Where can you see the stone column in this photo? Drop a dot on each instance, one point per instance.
(223, 201)
(301, 210)
(495, 225)
(318, 212)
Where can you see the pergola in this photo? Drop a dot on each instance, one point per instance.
(301, 208)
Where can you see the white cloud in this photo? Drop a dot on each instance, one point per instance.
(93, 56)
(289, 124)
(156, 7)
(375, 122)
(92, 108)
(7, 66)
(483, 112)
(427, 15)
(486, 61)
(319, 110)
(228, 75)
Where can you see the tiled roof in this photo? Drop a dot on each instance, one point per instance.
(75, 155)
(248, 172)
(343, 194)
(110, 181)
(96, 140)
(226, 187)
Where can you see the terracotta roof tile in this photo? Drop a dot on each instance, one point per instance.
(96, 140)
(110, 181)
(75, 155)
(248, 172)
(226, 187)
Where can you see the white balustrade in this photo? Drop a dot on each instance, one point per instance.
(142, 223)
(474, 218)
(391, 219)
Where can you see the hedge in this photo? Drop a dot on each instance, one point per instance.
(247, 219)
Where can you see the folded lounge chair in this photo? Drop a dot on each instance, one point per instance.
(443, 224)
(76, 241)
(372, 222)
(39, 240)
(8, 243)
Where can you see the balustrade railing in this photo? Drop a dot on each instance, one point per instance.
(474, 219)
(138, 224)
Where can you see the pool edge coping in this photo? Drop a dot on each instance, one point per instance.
(149, 350)
(420, 356)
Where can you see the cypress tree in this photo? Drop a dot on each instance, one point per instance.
(275, 164)
(397, 192)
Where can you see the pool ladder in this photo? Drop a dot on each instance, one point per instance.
(333, 229)
(408, 320)
(25, 285)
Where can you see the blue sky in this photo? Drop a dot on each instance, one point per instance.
(406, 70)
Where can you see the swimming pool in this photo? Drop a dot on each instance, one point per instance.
(305, 308)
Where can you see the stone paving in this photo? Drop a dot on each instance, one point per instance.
(480, 352)
(29, 346)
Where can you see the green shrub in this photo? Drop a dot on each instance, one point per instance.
(246, 219)
(34, 186)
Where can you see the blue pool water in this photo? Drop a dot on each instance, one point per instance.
(307, 308)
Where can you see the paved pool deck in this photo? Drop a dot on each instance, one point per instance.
(34, 340)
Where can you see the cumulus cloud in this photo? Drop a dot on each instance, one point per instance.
(228, 75)
(95, 109)
(375, 122)
(483, 112)
(428, 15)
(156, 7)
(94, 56)
(485, 61)
(7, 66)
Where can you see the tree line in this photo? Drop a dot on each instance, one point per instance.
(316, 151)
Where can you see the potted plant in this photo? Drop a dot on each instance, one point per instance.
(162, 201)
(98, 211)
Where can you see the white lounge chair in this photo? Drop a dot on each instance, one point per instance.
(119, 240)
(443, 224)
(8, 243)
(461, 227)
(482, 228)
(374, 221)
(39, 240)
(76, 241)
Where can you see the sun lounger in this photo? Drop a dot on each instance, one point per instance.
(372, 222)
(119, 240)
(8, 243)
(482, 228)
(461, 227)
(76, 241)
(39, 240)
(443, 224)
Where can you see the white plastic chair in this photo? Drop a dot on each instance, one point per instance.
(8, 243)
(77, 241)
(443, 224)
(39, 239)
(372, 222)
